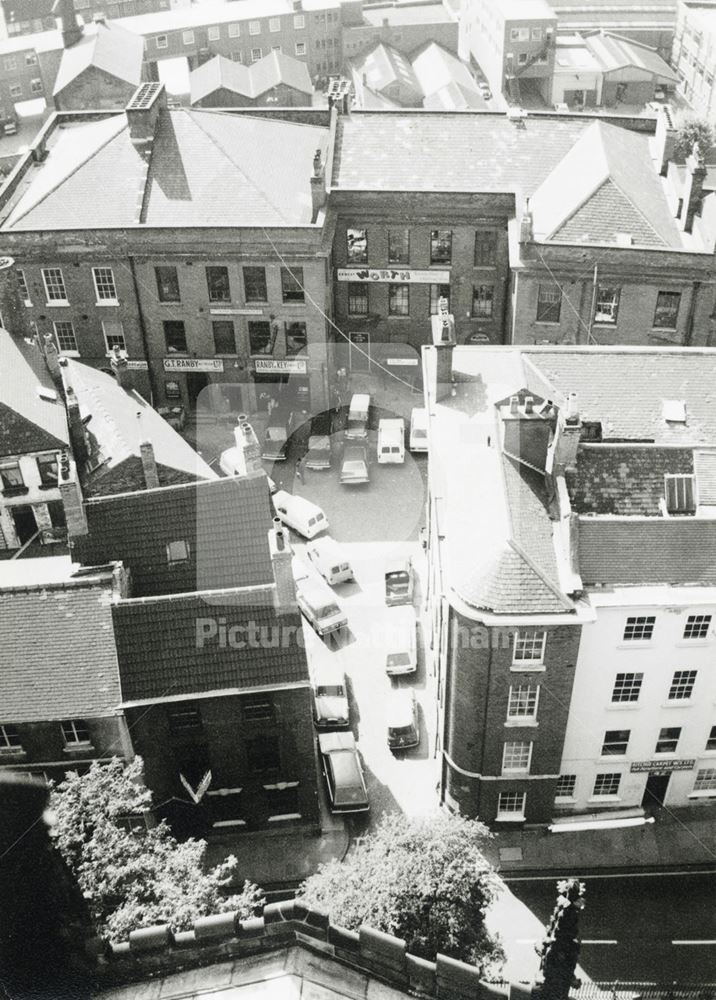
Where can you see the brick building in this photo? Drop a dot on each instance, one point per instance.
(407, 26)
(24, 17)
(197, 287)
(569, 506)
(275, 79)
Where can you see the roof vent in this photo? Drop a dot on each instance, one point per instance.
(624, 239)
(49, 394)
(675, 411)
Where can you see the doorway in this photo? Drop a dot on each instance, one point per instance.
(25, 523)
(195, 383)
(359, 352)
(655, 791)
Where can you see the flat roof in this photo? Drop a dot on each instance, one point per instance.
(435, 13)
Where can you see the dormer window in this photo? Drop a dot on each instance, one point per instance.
(177, 552)
(680, 494)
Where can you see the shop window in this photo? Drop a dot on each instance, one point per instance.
(357, 298)
(65, 337)
(261, 337)
(175, 336)
(224, 337)
(357, 246)
(263, 753)
(482, 301)
(47, 467)
(667, 310)
(398, 246)
(296, 338)
(217, 282)
(485, 247)
(668, 739)
(292, 284)
(255, 284)
(549, 303)
(440, 246)
(607, 305)
(167, 283)
(172, 390)
(438, 292)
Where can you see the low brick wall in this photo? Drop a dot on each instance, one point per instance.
(158, 951)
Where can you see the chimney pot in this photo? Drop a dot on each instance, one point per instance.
(282, 564)
(149, 462)
(529, 404)
(514, 405)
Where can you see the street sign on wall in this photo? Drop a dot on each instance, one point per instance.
(280, 366)
(662, 766)
(193, 364)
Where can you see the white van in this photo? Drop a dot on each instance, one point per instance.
(300, 514)
(358, 412)
(419, 430)
(391, 441)
(330, 560)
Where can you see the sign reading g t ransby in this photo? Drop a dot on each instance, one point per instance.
(662, 766)
(193, 364)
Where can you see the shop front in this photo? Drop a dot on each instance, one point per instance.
(281, 382)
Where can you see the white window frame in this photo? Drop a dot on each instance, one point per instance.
(161, 41)
(187, 36)
(254, 27)
(70, 352)
(299, 22)
(106, 335)
(24, 287)
(254, 57)
(511, 815)
(527, 638)
(566, 796)
(6, 747)
(31, 58)
(234, 30)
(274, 24)
(36, 86)
(9, 63)
(631, 674)
(74, 743)
(59, 300)
(609, 315)
(680, 481)
(300, 48)
(639, 622)
(508, 751)
(604, 752)
(104, 282)
(704, 774)
(15, 90)
(214, 33)
(520, 717)
(680, 685)
(694, 628)
(601, 796)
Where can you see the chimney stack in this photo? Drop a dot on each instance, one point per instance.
(529, 404)
(120, 368)
(52, 358)
(443, 330)
(318, 185)
(693, 188)
(664, 139)
(568, 430)
(282, 564)
(248, 446)
(71, 27)
(149, 462)
(78, 439)
(526, 233)
(142, 112)
(514, 405)
(71, 494)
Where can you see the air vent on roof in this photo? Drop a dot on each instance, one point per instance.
(624, 239)
(675, 411)
(49, 394)
(143, 96)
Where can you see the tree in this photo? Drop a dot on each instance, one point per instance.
(423, 879)
(135, 879)
(560, 948)
(690, 130)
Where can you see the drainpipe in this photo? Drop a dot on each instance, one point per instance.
(484, 727)
(153, 394)
(594, 303)
(505, 297)
(689, 330)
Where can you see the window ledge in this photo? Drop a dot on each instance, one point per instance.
(678, 703)
(664, 329)
(511, 818)
(532, 723)
(636, 644)
(284, 817)
(564, 800)
(708, 793)
(169, 302)
(27, 303)
(605, 758)
(547, 322)
(623, 706)
(14, 491)
(604, 798)
(515, 773)
(692, 643)
(107, 302)
(15, 753)
(58, 302)
(524, 667)
(79, 748)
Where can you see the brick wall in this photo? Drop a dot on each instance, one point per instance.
(44, 749)
(405, 37)
(94, 89)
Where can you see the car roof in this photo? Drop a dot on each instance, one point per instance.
(297, 502)
(403, 616)
(326, 546)
(398, 565)
(317, 591)
(330, 742)
(393, 424)
(360, 401)
(319, 441)
(400, 707)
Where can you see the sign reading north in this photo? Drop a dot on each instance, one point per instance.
(662, 766)
(280, 366)
(193, 364)
(393, 274)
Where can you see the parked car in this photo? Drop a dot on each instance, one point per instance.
(391, 441)
(330, 560)
(402, 719)
(358, 414)
(9, 126)
(419, 429)
(274, 446)
(401, 630)
(300, 514)
(343, 773)
(319, 606)
(330, 700)
(484, 89)
(399, 582)
(354, 469)
(318, 455)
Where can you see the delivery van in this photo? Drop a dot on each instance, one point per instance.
(419, 430)
(391, 441)
(358, 413)
(300, 514)
(330, 560)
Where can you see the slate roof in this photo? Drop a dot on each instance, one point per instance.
(252, 81)
(117, 420)
(224, 521)
(435, 67)
(605, 184)
(384, 66)
(160, 656)
(105, 46)
(454, 97)
(626, 480)
(625, 390)
(673, 550)
(28, 423)
(56, 634)
(615, 52)
(94, 177)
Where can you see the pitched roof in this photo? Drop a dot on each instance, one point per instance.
(105, 46)
(279, 68)
(28, 423)
(625, 390)
(225, 523)
(604, 185)
(627, 480)
(454, 97)
(251, 81)
(167, 646)
(217, 74)
(57, 638)
(94, 177)
(117, 420)
(615, 52)
(436, 67)
(384, 66)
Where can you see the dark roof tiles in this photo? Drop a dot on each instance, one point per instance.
(624, 481)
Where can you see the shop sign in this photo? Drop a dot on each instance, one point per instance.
(280, 366)
(193, 364)
(394, 274)
(237, 312)
(409, 362)
(138, 366)
(662, 766)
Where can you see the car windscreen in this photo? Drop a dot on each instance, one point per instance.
(328, 611)
(419, 432)
(330, 691)
(397, 579)
(401, 730)
(398, 660)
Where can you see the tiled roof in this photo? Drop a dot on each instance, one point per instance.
(625, 390)
(671, 550)
(28, 423)
(384, 66)
(273, 69)
(615, 52)
(117, 420)
(104, 46)
(605, 184)
(279, 68)
(224, 521)
(454, 97)
(461, 152)
(165, 647)
(435, 67)
(58, 653)
(628, 480)
(93, 176)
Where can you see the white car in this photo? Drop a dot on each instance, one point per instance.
(401, 641)
(330, 700)
(319, 607)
